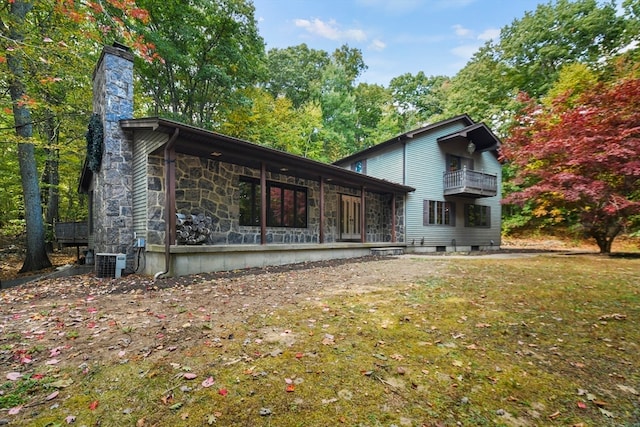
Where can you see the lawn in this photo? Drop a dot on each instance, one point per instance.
(425, 341)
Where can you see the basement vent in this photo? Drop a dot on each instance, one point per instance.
(110, 265)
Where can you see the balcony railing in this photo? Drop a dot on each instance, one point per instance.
(470, 183)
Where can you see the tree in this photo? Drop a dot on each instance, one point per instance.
(292, 72)
(36, 255)
(375, 112)
(581, 163)
(211, 50)
(34, 61)
(536, 46)
(418, 98)
(483, 90)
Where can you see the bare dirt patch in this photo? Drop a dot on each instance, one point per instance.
(84, 319)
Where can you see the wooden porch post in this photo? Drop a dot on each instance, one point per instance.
(321, 231)
(393, 217)
(263, 203)
(171, 195)
(363, 228)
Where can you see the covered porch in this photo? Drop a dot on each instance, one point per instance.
(343, 214)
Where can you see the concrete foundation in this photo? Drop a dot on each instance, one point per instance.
(202, 259)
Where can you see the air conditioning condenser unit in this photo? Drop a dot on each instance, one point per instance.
(110, 265)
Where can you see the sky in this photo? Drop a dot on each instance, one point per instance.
(396, 37)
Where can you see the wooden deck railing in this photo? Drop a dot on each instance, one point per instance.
(470, 182)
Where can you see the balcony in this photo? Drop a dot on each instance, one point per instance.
(470, 183)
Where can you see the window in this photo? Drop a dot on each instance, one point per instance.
(438, 213)
(359, 166)
(249, 201)
(456, 163)
(286, 204)
(477, 216)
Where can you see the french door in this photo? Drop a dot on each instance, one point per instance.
(350, 225)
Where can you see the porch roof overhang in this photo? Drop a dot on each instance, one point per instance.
(203, 143)
(479, 134)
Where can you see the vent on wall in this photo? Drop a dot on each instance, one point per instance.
(110, 265)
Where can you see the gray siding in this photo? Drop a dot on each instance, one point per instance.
(421, 163)
(145, 142)
(388, 165)
(426, 164)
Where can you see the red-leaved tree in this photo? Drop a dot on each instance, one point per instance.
(580, 161)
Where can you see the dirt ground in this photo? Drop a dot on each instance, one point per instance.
(84, 319)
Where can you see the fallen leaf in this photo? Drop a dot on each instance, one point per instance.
(208, 382)
(627, 389)
(614, 316)
(176, 406)
(606, 413)
(223, 392)
(14, 376)
(457, 363)
(70, 419)
(15, 410)
(93, 405)
(554, 415)
(61, 383)
(189, 376)
(52, 395)
(582, 405)
(290, 388)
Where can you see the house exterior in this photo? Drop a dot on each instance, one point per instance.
(453, 165)
(173, 199)
(258, 206)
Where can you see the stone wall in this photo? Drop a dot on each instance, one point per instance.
(112, 209)
(212, 188)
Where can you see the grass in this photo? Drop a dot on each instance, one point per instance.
(551, 340)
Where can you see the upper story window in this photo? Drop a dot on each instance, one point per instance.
(435, 212)
(456, 163)
(286, 204)
(477, 216)
(359, 166)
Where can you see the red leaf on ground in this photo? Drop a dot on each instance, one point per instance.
(93, 405)
(223, 392)
(290, 388)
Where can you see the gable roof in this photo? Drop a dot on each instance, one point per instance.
(479, 133)
(199, 142)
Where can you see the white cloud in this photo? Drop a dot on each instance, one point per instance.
(461, 31)
(377, 45)
(330, 30)
(489, 34)
(465, 51)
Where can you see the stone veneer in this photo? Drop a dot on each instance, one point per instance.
(110, 190)
(212, 188)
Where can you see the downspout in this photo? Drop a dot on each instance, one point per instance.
(168, 197)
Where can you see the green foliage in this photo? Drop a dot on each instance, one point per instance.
(210, 50)
(419, 99)
(536, 46)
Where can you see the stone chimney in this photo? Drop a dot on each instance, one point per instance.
(111, 199)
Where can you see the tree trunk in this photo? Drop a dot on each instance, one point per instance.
(36, 257)
(51, 177)
(604, 234)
